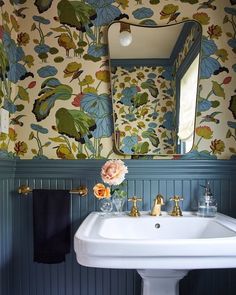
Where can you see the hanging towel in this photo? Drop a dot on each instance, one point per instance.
(51, 214)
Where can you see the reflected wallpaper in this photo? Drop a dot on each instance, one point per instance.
(54, 75)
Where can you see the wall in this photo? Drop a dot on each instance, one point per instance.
(54, 60)
(144, 111)
(19, 275)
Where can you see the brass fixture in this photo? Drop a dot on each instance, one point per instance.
(134, 210)
(24, 190)
(176, 209)
(81, 190)
(156, 208)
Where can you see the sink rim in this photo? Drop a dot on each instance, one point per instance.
(116, 253)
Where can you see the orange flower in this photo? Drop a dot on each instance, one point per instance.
(100, 191)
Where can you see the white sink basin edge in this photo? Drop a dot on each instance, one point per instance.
(187, 242)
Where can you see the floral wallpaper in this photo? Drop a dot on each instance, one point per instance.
(54, 75)
(144, 110)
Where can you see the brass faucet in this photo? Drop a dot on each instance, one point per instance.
(176, 209)
(134, 210)
(156, 208)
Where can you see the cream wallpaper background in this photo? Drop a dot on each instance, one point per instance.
(55, 79)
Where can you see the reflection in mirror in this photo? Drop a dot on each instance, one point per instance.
(154, 79)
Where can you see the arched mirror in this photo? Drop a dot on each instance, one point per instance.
(154, 81)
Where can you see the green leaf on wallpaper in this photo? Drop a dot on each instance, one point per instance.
(29, 60)
(23, 94)
(75, 13)
(1, 93)
(228, 134)
(215, 103)
(59, 30)
(74, 123)
(81, 156)
(152, 136)
(141, 148)
(57, 139)
(217, 89)
(232, 150)
(91, 57)
(52, 90)
(232, 105)
(151, 86)
(89, 145)
(140, 99)
(90, 90)
(20, 107)
(74, 147)
(43, 5)
(82, 43)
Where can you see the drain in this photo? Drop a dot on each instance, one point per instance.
(157, 225)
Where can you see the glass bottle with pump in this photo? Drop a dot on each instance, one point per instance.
(207, 206)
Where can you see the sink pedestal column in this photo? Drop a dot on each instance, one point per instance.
(161, 282)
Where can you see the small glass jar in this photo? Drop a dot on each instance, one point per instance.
(118, 202)
(106, 205)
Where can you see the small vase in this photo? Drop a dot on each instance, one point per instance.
(118, 201)
(106, 205)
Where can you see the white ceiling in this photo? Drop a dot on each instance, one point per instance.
(148, 42)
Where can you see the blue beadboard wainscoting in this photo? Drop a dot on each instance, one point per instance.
(19, 275)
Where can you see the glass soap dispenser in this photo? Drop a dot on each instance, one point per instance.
(207, 206)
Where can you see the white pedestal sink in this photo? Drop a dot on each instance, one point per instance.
(162, 249)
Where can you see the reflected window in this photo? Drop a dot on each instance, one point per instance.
(187, 107)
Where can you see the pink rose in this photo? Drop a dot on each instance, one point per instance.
(113, 172)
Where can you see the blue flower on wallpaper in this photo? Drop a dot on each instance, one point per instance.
(98, 50)
(168, 73)
(99, 107)
(43, 48)
(127, 94)
(196, 155)
(152, 75)
(152, 125)
(143, 12)
(231, 124)
(128, 143)
(130, 117)
(39, 128)
(170, 91)
(9, 106)
(232, 43)
(234, 67)
(204, 105)
(208, 64)
(106, 12)
(104, 127)
(14, 54)
(47, 71)
(208, 46)
(168, 122)
(41, 20)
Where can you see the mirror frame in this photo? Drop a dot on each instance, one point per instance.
(115, 147)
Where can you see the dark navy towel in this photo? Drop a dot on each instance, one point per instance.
(51, 214)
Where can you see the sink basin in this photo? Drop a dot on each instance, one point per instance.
(162, 247)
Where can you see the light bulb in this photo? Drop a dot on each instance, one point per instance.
(125, 38)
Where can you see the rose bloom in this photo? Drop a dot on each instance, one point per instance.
(100, 191)
(113, 172)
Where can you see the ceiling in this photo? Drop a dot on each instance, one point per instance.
(148, 42)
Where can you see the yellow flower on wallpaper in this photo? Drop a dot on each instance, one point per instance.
(204, 132)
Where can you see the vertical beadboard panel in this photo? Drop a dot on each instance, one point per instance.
(19, 275)
(6, 228)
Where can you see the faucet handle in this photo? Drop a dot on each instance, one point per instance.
(134, 210)
(176, 209)
(134, 199)
(176, 198)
